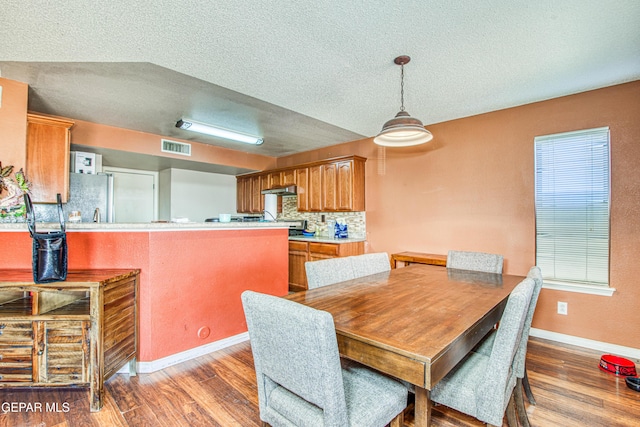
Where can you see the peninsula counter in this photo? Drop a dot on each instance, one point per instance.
(191, 275)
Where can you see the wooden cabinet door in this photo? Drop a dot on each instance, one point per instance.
(298, 255)
(257, 199)
(302, 184)
(63, 352)
(329, 187)
(47, 165)
(344, 186)
(275, 179)
(16, 351)
(288, 177)
(240, 197)
(315, 188)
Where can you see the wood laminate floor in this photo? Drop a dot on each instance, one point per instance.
(219, 390)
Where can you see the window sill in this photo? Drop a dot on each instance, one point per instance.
(605, 291)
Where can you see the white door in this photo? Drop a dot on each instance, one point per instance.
(135, 195)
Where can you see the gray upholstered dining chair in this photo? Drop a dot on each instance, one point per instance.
(482, 385)
(520, 367)
(367, 264)
(300, 379)
(476, 261)
(328, 271)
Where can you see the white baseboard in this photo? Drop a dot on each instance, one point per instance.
(607, 348)
(156, 365)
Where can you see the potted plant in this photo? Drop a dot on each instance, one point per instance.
(12, 189)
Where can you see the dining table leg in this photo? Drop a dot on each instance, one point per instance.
(422, 417)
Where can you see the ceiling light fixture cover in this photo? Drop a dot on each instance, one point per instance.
(403, 130)
(192, 125)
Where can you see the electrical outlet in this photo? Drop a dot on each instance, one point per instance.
(563, 308)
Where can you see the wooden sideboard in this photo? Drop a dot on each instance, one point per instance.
(78, 332)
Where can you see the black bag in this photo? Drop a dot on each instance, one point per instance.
(49, 249)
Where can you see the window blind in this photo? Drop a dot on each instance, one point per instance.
(572, 186)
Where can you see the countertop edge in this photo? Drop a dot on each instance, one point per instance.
(326, 239)
(161, 226)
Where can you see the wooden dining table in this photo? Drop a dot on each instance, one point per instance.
(414, 323)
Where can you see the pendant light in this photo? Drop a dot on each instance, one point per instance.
(403, 130)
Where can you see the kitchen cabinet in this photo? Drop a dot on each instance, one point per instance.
(298, 255)
(315, 188)
(73, 333)
(241, 200)
(257, 199)
(333, 185)
(328, 187)
(288, 177)
(339, 186)
(249, 199)
(302, 183)
(275, 179)
(349, 193)
(301, 252)
(47, 163)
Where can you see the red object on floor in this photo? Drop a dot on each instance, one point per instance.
(617, 365)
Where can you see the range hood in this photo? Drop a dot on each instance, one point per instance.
(289, 190)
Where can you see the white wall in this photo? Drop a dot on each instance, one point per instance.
(196, 195)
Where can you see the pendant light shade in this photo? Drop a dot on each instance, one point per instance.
(403, 130)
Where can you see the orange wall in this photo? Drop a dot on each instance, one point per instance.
(103, 136)
(189, 279)
(13, 123)
(472, 188)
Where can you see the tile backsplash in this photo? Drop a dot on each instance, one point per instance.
(356, 221)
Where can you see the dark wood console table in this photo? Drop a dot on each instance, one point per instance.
(418, 258)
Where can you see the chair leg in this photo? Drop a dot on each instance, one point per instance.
(520, 408)
(512, 419)
(527, 387)
(398, 421)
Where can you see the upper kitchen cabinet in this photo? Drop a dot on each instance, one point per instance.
(288, 177)
(315, 189)
(302, 182)
(338, 186)
(47, 164)
(350, 185)
(333, 185)
(281, 178)
(249, 198)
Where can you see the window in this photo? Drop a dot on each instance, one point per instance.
(572, 210)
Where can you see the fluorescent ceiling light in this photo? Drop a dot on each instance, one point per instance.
(206, 129)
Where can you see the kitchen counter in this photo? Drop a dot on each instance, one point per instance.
(138, 226)
(320, 239)
(191, 276)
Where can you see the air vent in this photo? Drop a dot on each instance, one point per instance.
(175, 147)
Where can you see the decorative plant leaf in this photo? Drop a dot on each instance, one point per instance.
(6, 171)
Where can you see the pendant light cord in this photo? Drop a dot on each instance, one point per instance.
(402, 87)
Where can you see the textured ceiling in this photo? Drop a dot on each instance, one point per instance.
(307, 74)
